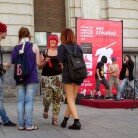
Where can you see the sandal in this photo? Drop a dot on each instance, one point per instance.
(45, 115)
(54, 121)
(31, 128)
(21, 128)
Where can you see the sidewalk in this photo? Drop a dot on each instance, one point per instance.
(96, 123)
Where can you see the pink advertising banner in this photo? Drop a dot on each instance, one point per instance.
(98, 38)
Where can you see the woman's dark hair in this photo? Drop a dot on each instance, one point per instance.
(68, 37)
(24, 32)
(104, 59)
(129, 59)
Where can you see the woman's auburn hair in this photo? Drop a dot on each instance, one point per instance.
(24, 32)
(52, 37)
(68, 37)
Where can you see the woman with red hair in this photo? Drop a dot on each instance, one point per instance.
(51, 80)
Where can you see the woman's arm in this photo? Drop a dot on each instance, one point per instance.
(43, 61)
(61, 64)
(36, 51)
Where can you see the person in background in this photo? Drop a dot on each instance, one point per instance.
(126, 76)
(113, 71)
(27, 89)
(100, 78)
(5, 119)
(51, 79)
(71, 88)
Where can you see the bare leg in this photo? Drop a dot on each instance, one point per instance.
(71, 93)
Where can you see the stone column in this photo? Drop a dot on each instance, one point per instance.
(73, 11)
(87, 9)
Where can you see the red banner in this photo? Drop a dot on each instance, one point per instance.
(98, 38)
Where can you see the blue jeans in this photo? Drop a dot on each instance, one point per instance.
(3, 115)
(123, 86)
(26, 94)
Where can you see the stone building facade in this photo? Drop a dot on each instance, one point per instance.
(45, 16)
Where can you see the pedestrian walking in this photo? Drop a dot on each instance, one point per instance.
(71, 86)
(51, 79)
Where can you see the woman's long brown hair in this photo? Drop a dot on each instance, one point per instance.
(68, 37)
(24, 32)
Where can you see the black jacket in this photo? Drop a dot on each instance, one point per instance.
(130, 67)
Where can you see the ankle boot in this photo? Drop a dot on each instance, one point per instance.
(76, 125)
(64, 122)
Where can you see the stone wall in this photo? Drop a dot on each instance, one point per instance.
(126, 10)
(73, 11)
(16, 13)
(88, 9)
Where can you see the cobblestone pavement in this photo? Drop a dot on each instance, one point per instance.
(96, 123)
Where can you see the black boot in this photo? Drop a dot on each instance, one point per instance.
(64, 122)
(76, 125)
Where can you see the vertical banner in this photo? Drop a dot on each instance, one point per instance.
(98, 38)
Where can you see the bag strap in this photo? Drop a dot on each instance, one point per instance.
(1, 56)
(44, 53)
(69, 51)
(67, 48)
(22, 50)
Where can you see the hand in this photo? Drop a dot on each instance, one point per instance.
(47, 59)
(100, 79)
(6, 66)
